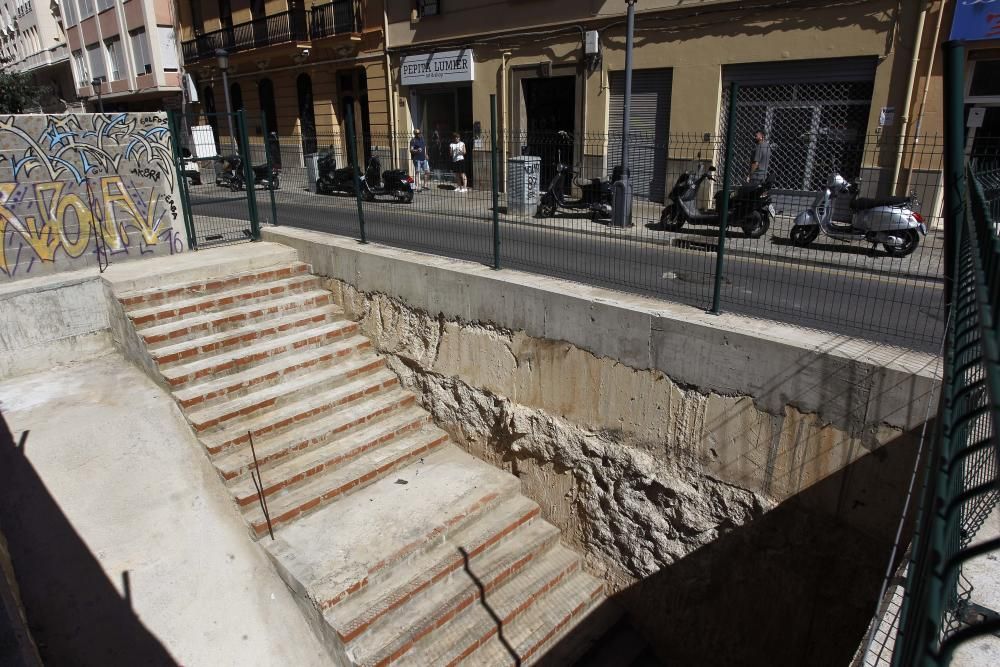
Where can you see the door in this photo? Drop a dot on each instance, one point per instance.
(792, 131)
(649, 127)
(549, 107)
(440, 120)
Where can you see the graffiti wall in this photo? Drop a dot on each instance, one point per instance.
(76, 188)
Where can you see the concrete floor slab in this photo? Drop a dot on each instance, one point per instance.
(118, 459)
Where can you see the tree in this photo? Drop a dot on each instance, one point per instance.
(18, 92)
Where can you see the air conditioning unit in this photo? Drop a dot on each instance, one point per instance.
(592, 43)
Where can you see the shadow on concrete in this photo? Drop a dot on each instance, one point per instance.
(74, 612)
(489, 610)
(797, 586)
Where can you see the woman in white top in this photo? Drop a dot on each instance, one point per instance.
(458, 165)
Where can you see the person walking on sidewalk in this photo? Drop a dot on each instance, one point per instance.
(761, 158)
(458, 164)
(421, 168)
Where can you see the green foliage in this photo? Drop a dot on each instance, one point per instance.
(18, 92)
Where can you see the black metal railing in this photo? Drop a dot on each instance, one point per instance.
(334, 18)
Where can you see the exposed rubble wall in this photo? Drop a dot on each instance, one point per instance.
(754, 524)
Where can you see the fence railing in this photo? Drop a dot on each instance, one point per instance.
(334, 18)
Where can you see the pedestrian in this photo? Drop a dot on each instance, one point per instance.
(458, 163)
(421, 167)
(760, 159)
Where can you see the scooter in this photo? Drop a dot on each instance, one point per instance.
(750, 206)
(595, 197)
(890, 221)
(225, 173)
(374, 182)
(232, 175)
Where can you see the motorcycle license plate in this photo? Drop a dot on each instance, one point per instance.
(770, 209)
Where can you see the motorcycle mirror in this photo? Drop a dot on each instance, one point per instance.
(711, 168)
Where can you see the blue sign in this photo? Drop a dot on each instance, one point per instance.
(976, 19)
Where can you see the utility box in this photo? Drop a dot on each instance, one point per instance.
(312, 169)
(523, 175)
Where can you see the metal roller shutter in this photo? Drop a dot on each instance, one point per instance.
(649, 127)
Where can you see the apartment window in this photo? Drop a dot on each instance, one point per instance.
(70, 15)
(95, 58)
(105, 4)
(80, 67)
(115, 58)
(86, 8)
(168, 48)
(140, 52)
(429, 7)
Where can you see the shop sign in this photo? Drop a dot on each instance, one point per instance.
(439, 67)
(976, 19)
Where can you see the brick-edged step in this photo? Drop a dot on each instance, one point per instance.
(170, 311)
(289, 390)
(234, 361)
(287, 504)
(354, 615)
(302, 464)
(133, 300)
(224, 340)
(349, 431)
(320, 403)
(226, 387)
(534, 607)
(205, 324)
(322, 555)
(397, 632)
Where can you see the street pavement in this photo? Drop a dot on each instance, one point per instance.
(833, 287)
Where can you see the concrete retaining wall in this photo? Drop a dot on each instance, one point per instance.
(672, 447)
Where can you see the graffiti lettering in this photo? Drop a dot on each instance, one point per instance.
(151, 174)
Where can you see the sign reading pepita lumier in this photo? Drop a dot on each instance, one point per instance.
(439, 67)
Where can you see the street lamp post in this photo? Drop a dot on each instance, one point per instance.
(222, 58)
(96, 83)
(621, 208)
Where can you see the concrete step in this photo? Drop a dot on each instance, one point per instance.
(286, 505)
(231, 318)
(350, 430)
(355, 615)
(360, 540)
(290, 389)
(397, 632)
(170, 311)
(233, 361)
(300, 469)
(534, 632)
(209, 285)
(533, 607)
(169, 355)
(319, 404)
(226, 387)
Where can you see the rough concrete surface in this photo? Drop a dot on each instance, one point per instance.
(114, 473)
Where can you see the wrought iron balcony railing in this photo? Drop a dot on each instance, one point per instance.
(339, 17)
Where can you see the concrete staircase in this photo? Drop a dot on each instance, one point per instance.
(404, 549)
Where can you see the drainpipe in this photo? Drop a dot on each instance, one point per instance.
(927, 86)
(390, 89)
(504, 110)
(904, 117)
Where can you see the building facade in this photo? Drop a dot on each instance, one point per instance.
(295, 67)
(124, 53)
(825, 76)
(33, 40)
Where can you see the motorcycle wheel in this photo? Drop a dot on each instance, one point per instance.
(756, 224)
(235, 185)
(803, 235)
(670, 221)
(366, 195)
(911, 239)
(405, 196)
(275, 182)
(547, 208)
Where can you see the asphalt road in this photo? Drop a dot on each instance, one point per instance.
(897, 311)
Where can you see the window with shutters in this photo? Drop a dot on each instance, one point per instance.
(140, 52)
(86, 8)
(95, 58)
(80, 69)
(70, 16)
(105, 4)
(116, 59)
(429, 7)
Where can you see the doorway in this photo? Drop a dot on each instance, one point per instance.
(549, 108)
(441, 112)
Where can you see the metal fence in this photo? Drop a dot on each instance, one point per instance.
(552, 217)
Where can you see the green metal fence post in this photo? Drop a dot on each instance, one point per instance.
(495, 173)
(251, 187)
(192, 242)
(954, 159)
(267, 160)
(352, 151)
(720, 258)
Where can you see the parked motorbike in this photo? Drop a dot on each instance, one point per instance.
(374, 182)
(890, 221)
(595, 193)
(750, 206)
(230, 174)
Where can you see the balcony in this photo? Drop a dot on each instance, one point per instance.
(340, 17)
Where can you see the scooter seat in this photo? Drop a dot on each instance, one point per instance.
(864, 203)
